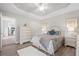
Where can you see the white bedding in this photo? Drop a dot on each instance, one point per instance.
(36, 42)
(53, 45)
(45, 39)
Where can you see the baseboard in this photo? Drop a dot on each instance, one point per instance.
(70, 46)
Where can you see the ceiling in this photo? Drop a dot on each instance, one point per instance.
(31, 9)
(34, 8)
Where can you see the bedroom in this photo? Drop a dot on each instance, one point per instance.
(42, 29)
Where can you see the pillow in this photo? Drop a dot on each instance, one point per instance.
(52, 32)
(57, 33)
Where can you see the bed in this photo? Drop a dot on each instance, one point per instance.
(49, 42)
(55, 41)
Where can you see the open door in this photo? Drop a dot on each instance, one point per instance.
(8, 29)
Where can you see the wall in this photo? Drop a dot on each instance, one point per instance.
(0, 31)
(61, 20)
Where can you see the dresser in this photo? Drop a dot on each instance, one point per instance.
(70, 41)
(25, 34)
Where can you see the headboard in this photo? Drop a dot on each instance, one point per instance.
(54, 30)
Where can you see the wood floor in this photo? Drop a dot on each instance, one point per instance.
(66, 51)
(11, 50)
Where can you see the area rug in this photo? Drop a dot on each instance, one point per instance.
(30, 51)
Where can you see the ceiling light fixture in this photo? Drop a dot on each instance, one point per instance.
(41, 6)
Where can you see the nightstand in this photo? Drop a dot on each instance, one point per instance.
(70, 41)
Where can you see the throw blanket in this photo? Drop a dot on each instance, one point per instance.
(45, 39)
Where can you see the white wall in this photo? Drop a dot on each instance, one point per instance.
(0, 31)
(61, 20)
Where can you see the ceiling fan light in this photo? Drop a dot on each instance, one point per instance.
(41, 6)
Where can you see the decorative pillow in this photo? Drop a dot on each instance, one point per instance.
(52, 32)
(57, 33)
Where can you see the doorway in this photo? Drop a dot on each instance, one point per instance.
(8, 29)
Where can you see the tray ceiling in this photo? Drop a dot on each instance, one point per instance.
(41, 9)
(32, 11)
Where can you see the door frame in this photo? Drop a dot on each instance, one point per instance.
(1, 31)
